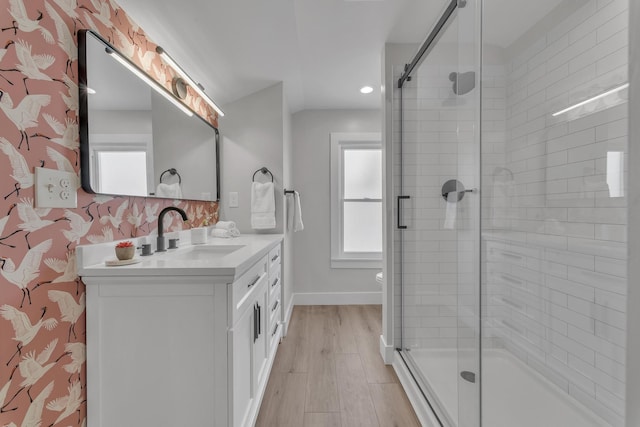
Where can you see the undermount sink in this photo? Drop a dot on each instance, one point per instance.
(199, 252)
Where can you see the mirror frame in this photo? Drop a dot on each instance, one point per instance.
(85, 150)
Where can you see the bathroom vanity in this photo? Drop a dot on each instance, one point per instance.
(185, 338)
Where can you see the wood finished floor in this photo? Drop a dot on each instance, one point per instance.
(328, 372)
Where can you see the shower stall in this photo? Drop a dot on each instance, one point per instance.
(509, 213)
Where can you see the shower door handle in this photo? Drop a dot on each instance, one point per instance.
(400, 198)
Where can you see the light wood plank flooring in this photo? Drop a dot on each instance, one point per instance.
(328, 373)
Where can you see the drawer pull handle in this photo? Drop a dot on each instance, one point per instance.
(253, 282)
(259, 320)
(275, 330)
(275, 282)
(275, 257)
(255, 322)
(275, 306)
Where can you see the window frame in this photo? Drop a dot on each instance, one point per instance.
(341, 141)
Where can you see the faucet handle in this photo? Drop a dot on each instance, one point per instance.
(146, 249)
(173, 243)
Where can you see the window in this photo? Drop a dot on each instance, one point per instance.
(356, 200)
(122, 164)
(121, 171)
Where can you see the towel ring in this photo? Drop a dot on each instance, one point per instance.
(172, 171)
(264, 171)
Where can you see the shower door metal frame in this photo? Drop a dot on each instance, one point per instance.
(430, 40)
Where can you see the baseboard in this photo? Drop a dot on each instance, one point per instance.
(386, 351)
(287, 316)
(424, 413)
(338, 298)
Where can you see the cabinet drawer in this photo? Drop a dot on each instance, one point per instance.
(274, 284)
(244, 286)
(274, 260)
(274, 336)
(274, 310)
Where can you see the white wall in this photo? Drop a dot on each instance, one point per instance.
(120, 121)
(633, 297)
(252, 134)
(187, 144)
(311, 174)
(287, 173)
(256, 132)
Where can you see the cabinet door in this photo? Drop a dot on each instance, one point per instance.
(241, 337)
(260, 338)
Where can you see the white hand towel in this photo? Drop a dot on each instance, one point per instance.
(169, 190)
(452, 207)
(226, 225)
(219, 232)
(294, 213)
(229, 228)
(263, 206)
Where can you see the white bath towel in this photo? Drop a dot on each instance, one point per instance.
(294, 212)
(263, 206)
(169, 190)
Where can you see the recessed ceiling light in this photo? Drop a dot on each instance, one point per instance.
(366, 89)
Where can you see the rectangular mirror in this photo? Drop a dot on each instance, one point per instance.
(133, 140)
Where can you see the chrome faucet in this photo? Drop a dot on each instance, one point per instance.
(163, 212)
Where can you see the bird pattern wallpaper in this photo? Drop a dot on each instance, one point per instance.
(42, 300)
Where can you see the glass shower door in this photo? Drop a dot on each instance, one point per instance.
(440, 333)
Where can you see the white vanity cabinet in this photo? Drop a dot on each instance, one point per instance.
(181, 349)
(247, 343)
(259, 313)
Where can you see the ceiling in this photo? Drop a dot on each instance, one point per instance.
(323, 50)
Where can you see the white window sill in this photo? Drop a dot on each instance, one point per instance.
(356, 263)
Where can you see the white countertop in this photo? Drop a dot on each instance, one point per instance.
(187, 260)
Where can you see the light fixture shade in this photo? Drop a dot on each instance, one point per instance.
(195, 86)
(148, 80)
(179, 88)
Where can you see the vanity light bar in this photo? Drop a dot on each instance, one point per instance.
(595, 98)
(155, 85)
(195, 86)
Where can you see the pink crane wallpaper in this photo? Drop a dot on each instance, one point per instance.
(42, 301)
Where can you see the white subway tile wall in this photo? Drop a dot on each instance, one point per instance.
(553, 206)
(554, 227)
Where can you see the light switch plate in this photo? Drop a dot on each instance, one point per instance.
(55, 189)
(233, 199)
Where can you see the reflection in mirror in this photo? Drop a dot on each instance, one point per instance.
(131, 134)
